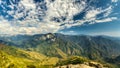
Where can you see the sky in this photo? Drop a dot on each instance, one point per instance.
(89, 17)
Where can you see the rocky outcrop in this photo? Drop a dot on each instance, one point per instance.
(75, 66)
(85, 65)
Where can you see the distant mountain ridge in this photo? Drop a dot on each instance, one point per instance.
(55, 44)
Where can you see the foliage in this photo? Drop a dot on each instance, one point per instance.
(11, 57)
(31, 66)
(72, 60)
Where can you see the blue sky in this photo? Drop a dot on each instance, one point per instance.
(110, 29)
(90, 17)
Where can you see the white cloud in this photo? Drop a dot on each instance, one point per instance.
(59, 8)
(106, 20)
(92, 13)
(114, 0)
(7, 28)
(29, 4)
(113, 33)
(65, 8)
(71, 31)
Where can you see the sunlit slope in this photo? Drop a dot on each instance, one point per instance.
(62, 46)
(11, 57)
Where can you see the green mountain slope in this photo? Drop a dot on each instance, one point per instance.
(11, 57)
(58, 45)
(42, 49)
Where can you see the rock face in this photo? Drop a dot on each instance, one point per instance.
(75, 66)
(96, 65)
(85, 65)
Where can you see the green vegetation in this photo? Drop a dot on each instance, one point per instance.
(11, 57)
(72, 60)
(41, 51)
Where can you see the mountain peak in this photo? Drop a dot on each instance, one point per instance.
(48, 37)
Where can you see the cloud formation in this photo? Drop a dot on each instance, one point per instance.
(31, 17)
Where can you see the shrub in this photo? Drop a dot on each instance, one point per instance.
(31, 66)
(72, 60)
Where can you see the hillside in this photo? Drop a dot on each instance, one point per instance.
(97, 48)
(59, 45)
(11, 57)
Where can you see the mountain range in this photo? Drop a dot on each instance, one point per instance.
(97, 48)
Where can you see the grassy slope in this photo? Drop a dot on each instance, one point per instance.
(11, 57)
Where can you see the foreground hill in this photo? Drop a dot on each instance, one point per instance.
(11, 57)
